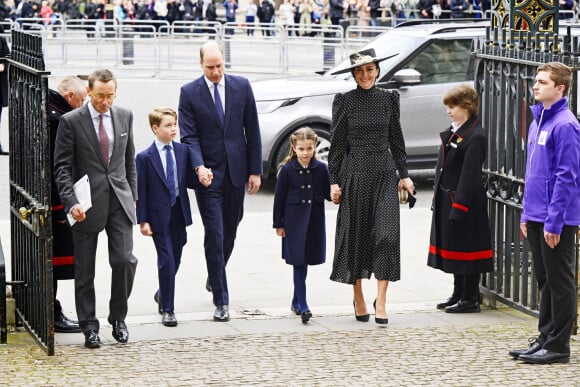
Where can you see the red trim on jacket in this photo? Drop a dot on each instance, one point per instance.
(460, 255)
(63, 261)
(58, 207)
(459, 207)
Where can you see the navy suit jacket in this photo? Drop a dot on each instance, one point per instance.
(236, 144)
(154, 204)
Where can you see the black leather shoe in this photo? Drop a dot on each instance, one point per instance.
(169, 319)
(534, 347)
(305, 316)
(450, 301)
(362, 317)
(63, 324)
(379, 320)
(120, 332)
(543, 356)
(221, 314)
(295, 310)
(92, 339)
(207, 285)
(156, 299)
(464, 307)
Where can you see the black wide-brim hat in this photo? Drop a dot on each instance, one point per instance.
(362, 58)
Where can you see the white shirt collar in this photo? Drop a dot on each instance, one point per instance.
(95, 113)
(161, 146)
(221, 83)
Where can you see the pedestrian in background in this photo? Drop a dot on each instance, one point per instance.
(251, 12)
(265, 14)
(460, 241)
(551, 212)
(336, 9)
(164, 171)
(97, 141)
(231, 7)
(367, 149)
(302, 185)
(287, 16)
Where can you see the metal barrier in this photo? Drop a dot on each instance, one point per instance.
(30, 218)
(323, 47)
(157, 47)
(506, 65)
(264, 40)
(357, 36)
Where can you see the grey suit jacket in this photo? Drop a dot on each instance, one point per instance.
(77, 153)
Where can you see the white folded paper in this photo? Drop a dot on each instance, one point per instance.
(82, 189)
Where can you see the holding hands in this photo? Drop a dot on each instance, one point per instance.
(205, 175)
(335, 193)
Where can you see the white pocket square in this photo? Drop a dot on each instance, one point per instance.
(123, 134)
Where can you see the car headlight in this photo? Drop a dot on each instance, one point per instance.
(265, 107)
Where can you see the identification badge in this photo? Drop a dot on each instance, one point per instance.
(542, 138)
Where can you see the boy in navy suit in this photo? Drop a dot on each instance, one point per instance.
(164, 171)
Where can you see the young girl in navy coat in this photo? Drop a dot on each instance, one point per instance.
(303, 184)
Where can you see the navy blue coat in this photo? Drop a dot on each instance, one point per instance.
(299, 209)
(460, 241)
(154, 204)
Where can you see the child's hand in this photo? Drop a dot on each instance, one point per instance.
(205, 176)
(335, 193)
(146, 229)
(281, 232)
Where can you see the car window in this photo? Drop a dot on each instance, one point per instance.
(442, 61)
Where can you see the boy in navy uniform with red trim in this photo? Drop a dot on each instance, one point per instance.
(460, 240)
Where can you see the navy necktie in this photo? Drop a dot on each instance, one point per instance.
(170, 173)
(218, 103)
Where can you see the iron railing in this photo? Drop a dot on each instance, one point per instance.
(506, 67)
(30, 220)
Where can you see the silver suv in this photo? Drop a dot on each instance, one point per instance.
(433, 57)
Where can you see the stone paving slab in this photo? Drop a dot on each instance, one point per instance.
(417, 349)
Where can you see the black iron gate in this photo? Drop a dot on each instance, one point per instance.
(517, 42)
(30, 218)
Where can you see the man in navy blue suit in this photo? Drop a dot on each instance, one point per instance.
(164, 171)
(218, 120)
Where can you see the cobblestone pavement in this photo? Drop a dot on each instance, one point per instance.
(473, 355)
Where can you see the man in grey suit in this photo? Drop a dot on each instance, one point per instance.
(97, 140)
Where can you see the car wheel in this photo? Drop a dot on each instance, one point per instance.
(321, 152)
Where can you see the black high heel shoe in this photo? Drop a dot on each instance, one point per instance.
(362, 317)
(378, 320)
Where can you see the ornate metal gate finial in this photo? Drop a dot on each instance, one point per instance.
(525, 15)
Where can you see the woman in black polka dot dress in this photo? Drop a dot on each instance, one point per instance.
(367, 151)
